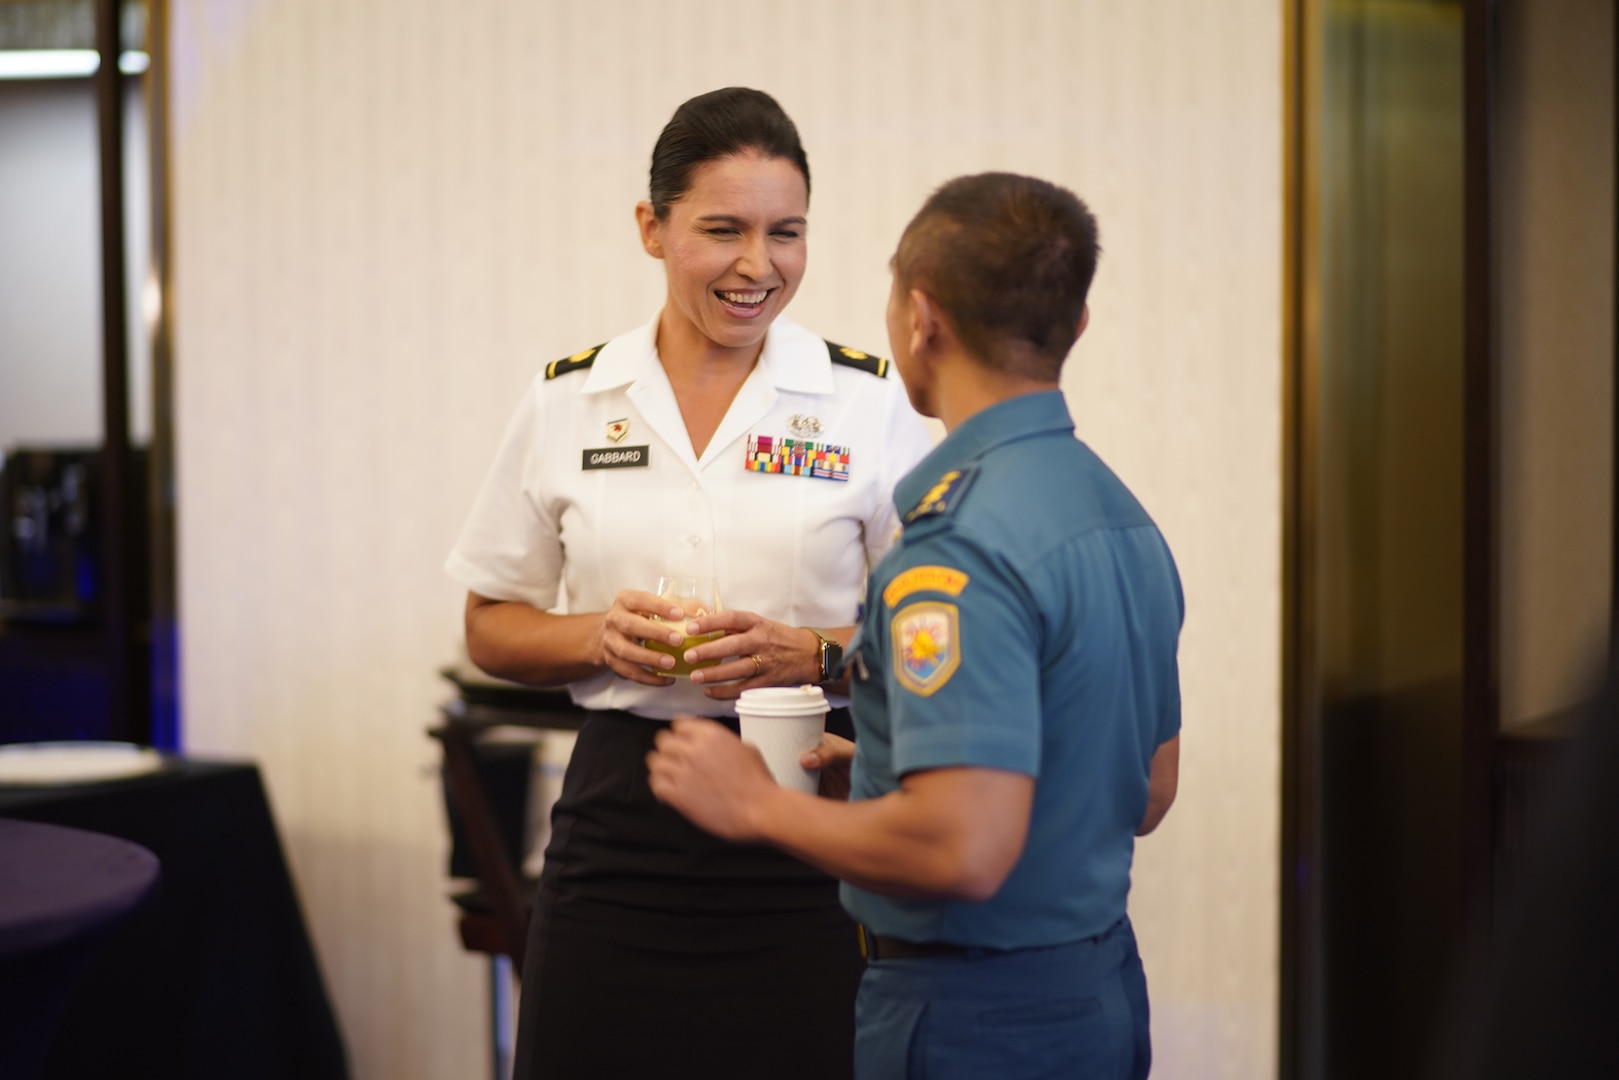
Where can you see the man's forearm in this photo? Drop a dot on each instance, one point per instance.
(947, 834)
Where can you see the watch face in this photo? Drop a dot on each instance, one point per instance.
(831, 654)
(831, 659)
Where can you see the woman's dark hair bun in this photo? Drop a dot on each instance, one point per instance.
(716, 125)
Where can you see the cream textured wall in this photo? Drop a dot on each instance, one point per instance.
(389, 213)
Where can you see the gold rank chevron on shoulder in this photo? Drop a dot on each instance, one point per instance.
(579, 361)
(873, 365)
(945, 495)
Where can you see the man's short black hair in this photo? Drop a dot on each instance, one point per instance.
(1009, 259)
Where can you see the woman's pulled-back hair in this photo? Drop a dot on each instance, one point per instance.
(716, 125)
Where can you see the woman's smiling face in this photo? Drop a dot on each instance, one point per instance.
(733, 248)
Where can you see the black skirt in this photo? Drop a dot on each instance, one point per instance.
(658, 950)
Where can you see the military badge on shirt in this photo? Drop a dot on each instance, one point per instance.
(927, 645)
(803, 425)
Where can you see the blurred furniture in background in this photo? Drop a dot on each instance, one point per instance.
(215, 976)
(61, 892)
(491, 732)
(66, 671)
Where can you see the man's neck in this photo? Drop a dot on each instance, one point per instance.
(966, 388)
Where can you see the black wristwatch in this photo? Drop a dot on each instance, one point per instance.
(831, 655)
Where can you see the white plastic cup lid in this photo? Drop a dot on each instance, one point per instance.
(783, 701)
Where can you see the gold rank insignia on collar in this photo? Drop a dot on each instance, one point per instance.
(944, 495)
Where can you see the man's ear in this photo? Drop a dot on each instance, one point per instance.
(1084, 321)
(646, 220)
(928, 327)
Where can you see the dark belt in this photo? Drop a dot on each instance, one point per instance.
(876, 947)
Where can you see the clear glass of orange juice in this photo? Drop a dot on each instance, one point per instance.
(695, 595)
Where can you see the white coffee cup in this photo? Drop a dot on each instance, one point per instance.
(784, 722)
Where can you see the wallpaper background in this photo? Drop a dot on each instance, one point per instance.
(389, 213)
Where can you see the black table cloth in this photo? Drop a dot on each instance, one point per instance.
(61, 890)
(59, 884)
(214, 976)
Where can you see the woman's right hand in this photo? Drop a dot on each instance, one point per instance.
(627, 624)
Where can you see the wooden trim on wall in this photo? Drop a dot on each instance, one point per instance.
(1298, 1027)
(1481, 472)
(160, 478)
(119, 541)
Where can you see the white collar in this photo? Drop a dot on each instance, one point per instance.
(793, 359)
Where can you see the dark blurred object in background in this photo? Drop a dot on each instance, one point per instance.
(73, 664)
(50, 555)
(1538, 997)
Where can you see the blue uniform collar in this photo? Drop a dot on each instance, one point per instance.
(1022, 417)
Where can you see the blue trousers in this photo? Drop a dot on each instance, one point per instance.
(1076, 1011)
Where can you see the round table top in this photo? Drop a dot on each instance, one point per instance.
(57, 884)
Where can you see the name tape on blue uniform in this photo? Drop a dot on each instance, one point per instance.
(797, 457)
(618, 457)
(924, 579)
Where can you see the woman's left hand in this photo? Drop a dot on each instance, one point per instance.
(763, 652)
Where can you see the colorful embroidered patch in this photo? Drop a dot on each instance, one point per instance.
(924, 579)
(797, 457)
(927, 649)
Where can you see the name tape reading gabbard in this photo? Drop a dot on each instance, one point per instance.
(617, 457)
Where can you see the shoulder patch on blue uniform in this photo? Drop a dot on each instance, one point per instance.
(943, 496)
(873, 365)
(927, 646)
(579, 361)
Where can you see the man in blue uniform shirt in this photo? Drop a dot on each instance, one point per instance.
(1014, 683)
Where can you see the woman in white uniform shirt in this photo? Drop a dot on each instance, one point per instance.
(656, 949)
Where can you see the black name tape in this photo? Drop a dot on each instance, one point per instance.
(617, 457)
